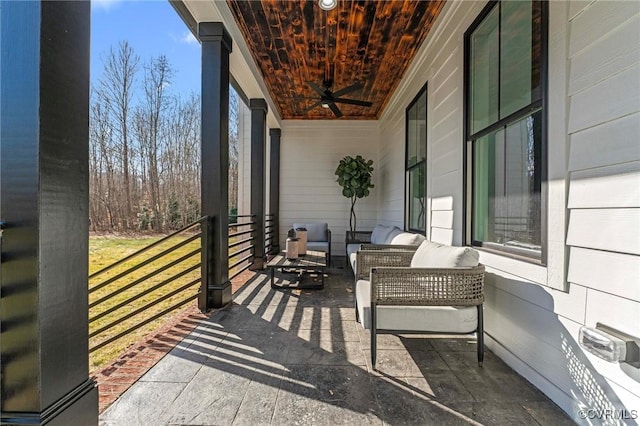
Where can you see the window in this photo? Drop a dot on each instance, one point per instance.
(416, 163)
(505, 126)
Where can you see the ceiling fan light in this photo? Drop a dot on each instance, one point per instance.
(327, 4)
(325, 105)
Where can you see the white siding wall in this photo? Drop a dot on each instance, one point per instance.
(533, 313)
(390, 178)
(603, 232)
(438, 63)
(309, 154)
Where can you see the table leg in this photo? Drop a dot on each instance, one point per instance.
(273, 285)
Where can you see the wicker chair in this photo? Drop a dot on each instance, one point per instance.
(370, 261)
(405, 299)
(378, 255)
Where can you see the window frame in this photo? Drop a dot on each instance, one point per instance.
(502, 123)
(407, 170)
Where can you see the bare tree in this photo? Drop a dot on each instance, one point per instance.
(145, 147)
(117, 86)
(234, 149)
(181, 163)
(149, 115)
(102, 175)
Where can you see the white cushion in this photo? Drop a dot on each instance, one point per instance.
(393, 234)
(437, 319)
(380, 234)
(316, 231)
(434, 255)
(352, 250)
(408, 239)
(352, 261)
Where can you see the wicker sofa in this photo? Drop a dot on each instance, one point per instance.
(433, 288)
(382, 237)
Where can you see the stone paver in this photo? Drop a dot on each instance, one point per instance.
(289, 356)
(179, 331)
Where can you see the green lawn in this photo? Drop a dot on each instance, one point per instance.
(104, 251)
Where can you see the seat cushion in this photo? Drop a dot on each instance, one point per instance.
(352, 249)
(436, 319)
(408, 239)
(316, 231)
(318, 246)
(434, 255)
(352, 261)
(380, 233)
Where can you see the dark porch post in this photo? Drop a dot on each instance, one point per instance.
(44, 145)
(216, 46)
(274, 180)
(258, 139)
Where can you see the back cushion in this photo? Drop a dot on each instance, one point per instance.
(434, 255)
(408, 239)
(380, 234)
(393, 234)
(315, 231)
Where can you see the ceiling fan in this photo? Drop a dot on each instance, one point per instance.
(329, 99)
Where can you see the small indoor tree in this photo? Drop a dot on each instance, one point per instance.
(354, 176)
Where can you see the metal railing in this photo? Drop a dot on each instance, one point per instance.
(241, 244)
(270, 233)
(162, 277)
(145, 285)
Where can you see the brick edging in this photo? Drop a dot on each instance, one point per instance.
(119, 375)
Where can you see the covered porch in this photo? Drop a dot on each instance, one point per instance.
(276, 356)
(292, 356)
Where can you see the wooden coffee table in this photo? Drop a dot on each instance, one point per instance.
(312, 262)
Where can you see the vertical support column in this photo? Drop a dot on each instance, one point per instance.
(274, 191)
(44, 181)
(216, 46)
(259, 110)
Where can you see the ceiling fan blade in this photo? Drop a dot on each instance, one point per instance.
(312, 106)
(335, 109)
(352, 102)
(316, 88)
(301, 97)
(349, 89)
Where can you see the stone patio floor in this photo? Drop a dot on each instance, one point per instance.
(290, 356)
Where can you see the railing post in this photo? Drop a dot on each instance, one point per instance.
(207, 263)
(274, 190)
(275, 246)
(258, 129)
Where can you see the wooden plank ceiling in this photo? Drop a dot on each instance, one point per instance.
(366, 41)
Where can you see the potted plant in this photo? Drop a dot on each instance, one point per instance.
(354, 176)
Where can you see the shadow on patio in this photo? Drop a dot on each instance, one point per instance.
(299, 357)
